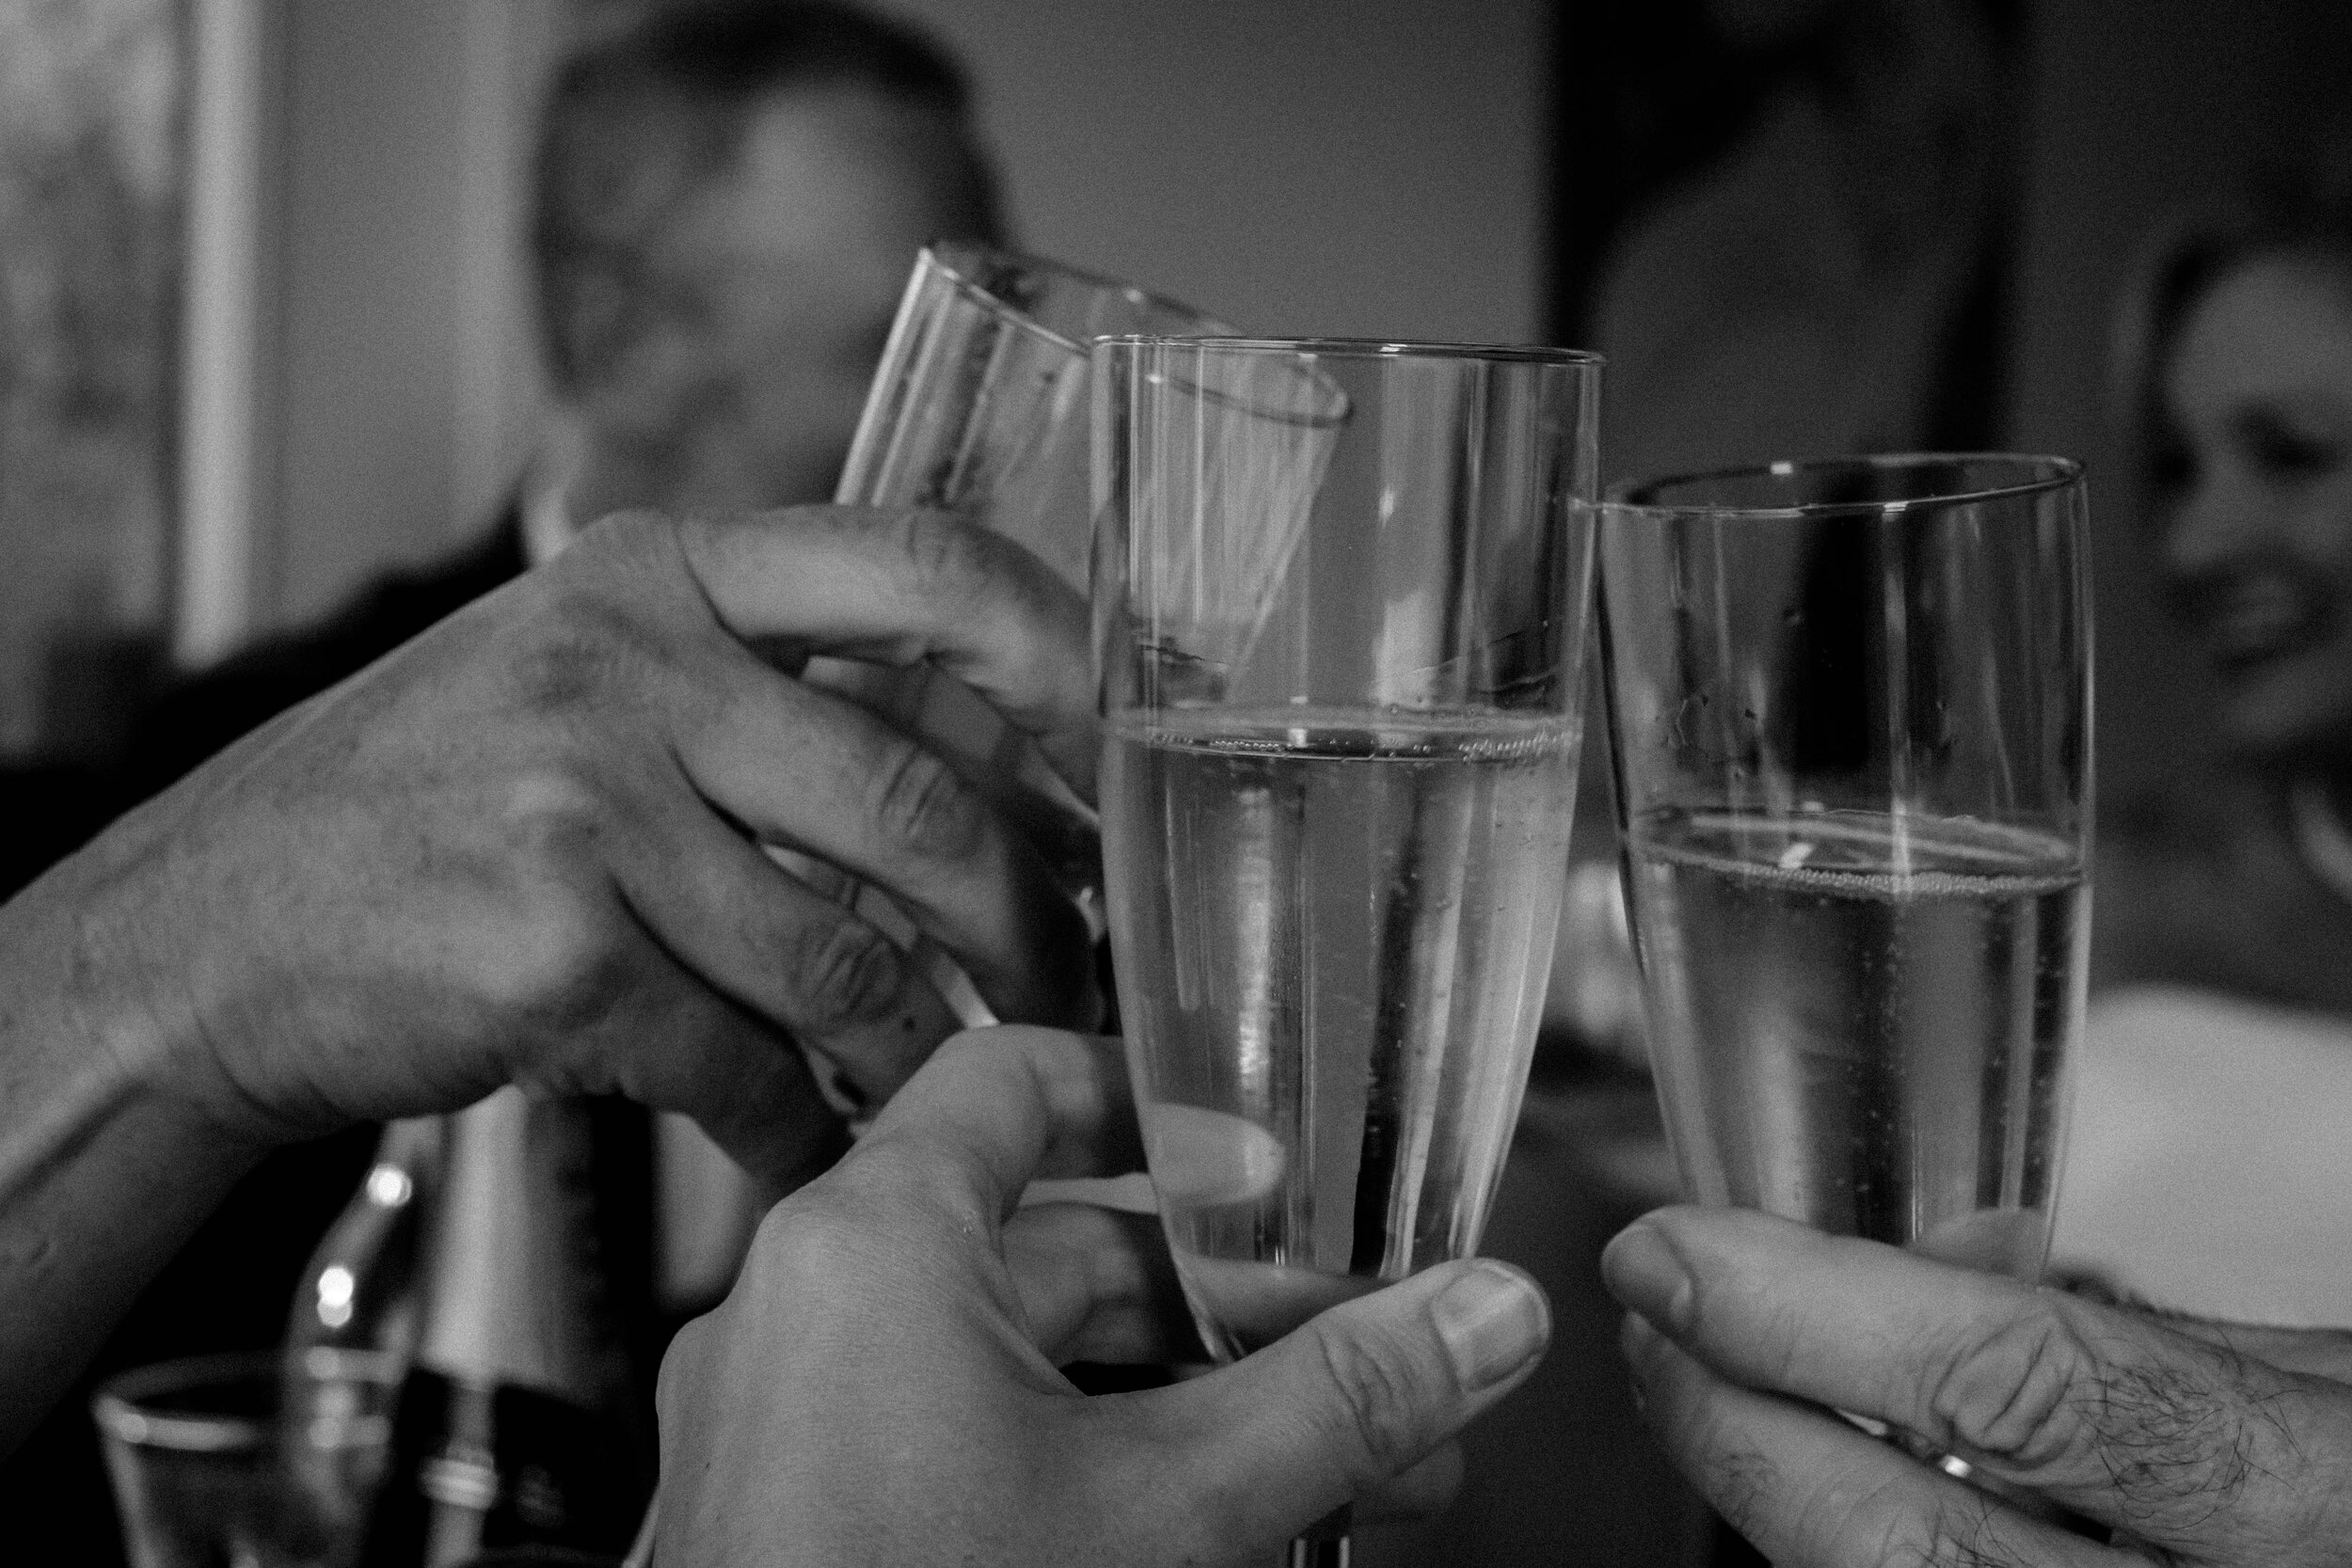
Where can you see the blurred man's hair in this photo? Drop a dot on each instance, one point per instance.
(639, 119)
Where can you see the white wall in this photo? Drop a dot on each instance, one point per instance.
(1316, 167)
(360, 377)
(1359, 168)
(404, 378)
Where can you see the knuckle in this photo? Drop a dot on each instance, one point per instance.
(1375, 1403)
(559, 970)
(921, 806)
(1740, 1481)
(559, 960)
(2170, 1430)
(1886, 1524)
(2178, 1441)
(842, 972)
(582, 653)
(633, 531)
(560, 964)
(550, 814)
(807, 1230)
(562, 672)
(2014, 1391)
(909, 1173)
(635, 557)
(945, 557)
(1960, 1533)
(808, 1249)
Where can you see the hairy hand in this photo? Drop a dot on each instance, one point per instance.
(2188, 1443)
(881, 1387)
(527, 846)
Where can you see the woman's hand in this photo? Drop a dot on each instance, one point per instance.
(881, 1387)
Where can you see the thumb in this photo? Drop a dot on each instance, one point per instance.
(1361, 1393)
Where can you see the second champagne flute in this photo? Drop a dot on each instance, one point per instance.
(1340, 601)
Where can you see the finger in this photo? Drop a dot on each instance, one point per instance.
(905, 587)
(779, 948)
(1360, 1394)
(2319, 1351)
(1810, 1490)
(733, 1071)
(2181, 1442)
(997, 1109)
(1098, 1285)
(755, 1098)
(1422, 1492)
(810, 770)
(1005, 765)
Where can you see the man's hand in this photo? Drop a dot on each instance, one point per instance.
(528, 848)
(880, 1387)
(2190, 1443)
(525, 848)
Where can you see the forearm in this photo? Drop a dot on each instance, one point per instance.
(108, 1161)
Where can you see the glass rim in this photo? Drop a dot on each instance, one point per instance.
(1362, 348)
(953, 258)
(123, 1410)
(2050, 473)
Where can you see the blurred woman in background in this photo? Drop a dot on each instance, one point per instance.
(2208, 1153)
(2237, 370)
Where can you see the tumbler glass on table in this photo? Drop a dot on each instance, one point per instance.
(245, 1462)
(979, 408)
(1341, 597)
(1851, 706)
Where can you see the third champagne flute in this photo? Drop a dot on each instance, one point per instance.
(1850, 704)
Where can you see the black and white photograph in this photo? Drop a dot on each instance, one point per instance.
(1219, 783)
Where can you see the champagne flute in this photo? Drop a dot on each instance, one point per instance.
(1851, 708)
(980, 408)
(1340, 596)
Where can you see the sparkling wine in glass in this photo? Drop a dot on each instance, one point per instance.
(1851, 705)
(1341, 597)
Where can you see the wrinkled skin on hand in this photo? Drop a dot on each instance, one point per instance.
(526, 847)
(879, 1389)
(2178, 1442)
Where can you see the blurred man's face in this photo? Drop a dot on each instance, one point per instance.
(2254, 493)
(777, 280)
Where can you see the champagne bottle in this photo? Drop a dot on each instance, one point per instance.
(360, 1293)
(513, 1426)
(351, 1333)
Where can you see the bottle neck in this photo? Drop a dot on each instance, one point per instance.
(358, 1292)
